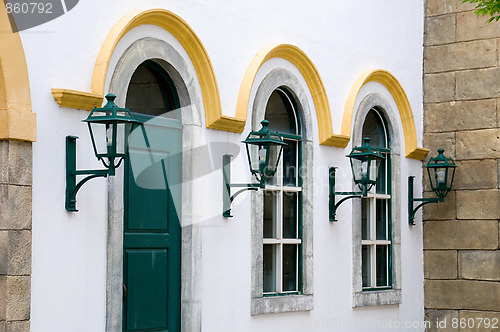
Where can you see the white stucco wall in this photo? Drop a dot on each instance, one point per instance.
(342, 38)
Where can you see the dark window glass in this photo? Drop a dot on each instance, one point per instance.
(269, 268)
(152, 92)
(374, 128)
(290, 163)
(366, 266)
(290, 215)
(365, 221)
(269, 228)
(289, 267)
(381, 219)
(382, 266)
(280, 113)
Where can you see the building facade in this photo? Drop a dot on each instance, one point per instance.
(149, 248)
(461, 115)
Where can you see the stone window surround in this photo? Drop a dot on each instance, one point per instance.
(186, 85)
(380, 297)
(284, 303)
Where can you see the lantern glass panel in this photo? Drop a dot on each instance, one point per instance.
(358, 169)
(374, 167)
(110, 129)
(120, 139)
(99, 134)
(274, 154)
(253, 152)
(123, 114)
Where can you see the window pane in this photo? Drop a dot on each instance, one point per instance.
(366, 266)
(365, 222)
(381, 181)
(270, 201)
(375, 129)
(290, 164)
(382, 262)
(281, 114)
(151, 91)
(269, 268)
(289, 215)
(381, 219)
(290, 267)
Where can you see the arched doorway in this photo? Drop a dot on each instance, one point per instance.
(151, 230)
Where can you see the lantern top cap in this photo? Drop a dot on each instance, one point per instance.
(441, 161)
(365, 151)
(264, 135)
(110, 113)
(110, 97)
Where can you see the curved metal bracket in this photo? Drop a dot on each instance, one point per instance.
(411, 199)
(227, 199)
(72, 186)
(332, 205)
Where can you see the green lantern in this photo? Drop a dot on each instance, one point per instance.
(365, 165)
(263, 150)
(107, 127)
(109, 122)
(441, 171)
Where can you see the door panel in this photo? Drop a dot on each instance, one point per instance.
(147, 289)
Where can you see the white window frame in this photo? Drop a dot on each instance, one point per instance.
(304, 301)
(278, 240)
(383, 296)
(372, 199)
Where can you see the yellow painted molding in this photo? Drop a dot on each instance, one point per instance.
(311, 75)
(399, 95)
(228, 123)
(418, 153)
(17, 125)
(17, 122)
(77, 99)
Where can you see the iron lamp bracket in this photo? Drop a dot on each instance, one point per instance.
(412, 210)
(350, 195)
(72, 186)
(227, 198)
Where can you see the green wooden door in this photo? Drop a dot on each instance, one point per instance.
(152, 195)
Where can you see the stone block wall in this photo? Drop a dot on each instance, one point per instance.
(462, 115)
(15, 235)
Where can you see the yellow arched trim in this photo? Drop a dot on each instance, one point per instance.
(16, 119)
(188, 39)
(297, 57)
(399, 95)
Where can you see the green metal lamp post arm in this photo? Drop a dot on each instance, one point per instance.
(72, 186)
(249, 186)
(412, 213)
(412, 210)
(334, 206)
(227, 198)
(72, 195)
(333, 211)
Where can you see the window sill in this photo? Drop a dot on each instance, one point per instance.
(284, 303)
(377, 297)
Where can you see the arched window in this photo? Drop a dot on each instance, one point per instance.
(376, 211)
(376, 220)
(282, 213)
(152, 92)
(282, 202)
